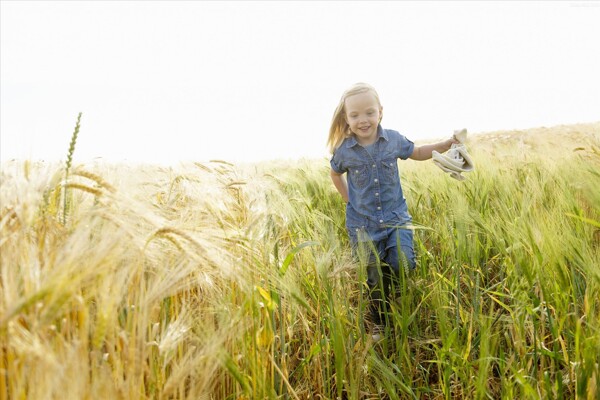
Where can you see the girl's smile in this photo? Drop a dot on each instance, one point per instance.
(363, 114)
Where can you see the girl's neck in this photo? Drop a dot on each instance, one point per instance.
(366, 142)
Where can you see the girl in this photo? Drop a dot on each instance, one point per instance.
(376, 213)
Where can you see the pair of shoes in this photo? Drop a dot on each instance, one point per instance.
(377, 332)
(456, 160)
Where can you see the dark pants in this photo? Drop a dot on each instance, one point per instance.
(384, 256)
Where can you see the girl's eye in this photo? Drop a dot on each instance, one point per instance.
(370, 113)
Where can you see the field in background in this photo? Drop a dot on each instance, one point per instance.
(217, 281)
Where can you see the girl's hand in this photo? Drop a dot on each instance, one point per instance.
(452, 141)
(449, 142)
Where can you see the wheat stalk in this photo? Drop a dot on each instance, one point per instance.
(68, 165)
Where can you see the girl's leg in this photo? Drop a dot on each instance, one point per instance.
(405, 258)
(375, 294)
(378, 281)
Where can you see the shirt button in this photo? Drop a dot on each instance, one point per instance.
(381, 221)
(373, 165)
(379, 208)
(376, 194)
(391, 163)
(356, 171)
(376, 180)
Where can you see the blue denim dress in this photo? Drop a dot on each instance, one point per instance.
(377, 210)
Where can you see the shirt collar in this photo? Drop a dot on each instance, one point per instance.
(381, 133)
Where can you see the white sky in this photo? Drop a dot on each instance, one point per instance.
(164, 82)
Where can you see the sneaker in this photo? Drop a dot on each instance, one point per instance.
(377, 332)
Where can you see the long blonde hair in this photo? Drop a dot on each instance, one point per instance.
(340, 129)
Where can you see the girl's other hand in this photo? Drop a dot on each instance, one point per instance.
(449, 142)
(453, 140)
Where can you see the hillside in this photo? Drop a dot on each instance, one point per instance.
(555, 140)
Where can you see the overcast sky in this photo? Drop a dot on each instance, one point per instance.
(165, 82)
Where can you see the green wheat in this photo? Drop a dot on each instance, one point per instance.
(68, 165)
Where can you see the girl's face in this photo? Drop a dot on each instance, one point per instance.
(363, 114)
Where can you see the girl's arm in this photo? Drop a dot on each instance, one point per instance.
(340, 184)
(421, 153)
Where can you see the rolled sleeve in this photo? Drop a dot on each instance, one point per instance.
(336, 164)
(406, 147)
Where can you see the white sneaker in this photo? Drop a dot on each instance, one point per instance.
(377, 332)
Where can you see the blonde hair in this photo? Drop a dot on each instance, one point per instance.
(340, 129)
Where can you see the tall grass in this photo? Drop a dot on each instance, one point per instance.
(212, 280)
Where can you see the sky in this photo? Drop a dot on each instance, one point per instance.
(170, 82)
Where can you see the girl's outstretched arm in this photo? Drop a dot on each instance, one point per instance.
(421, 153)
(340, 184)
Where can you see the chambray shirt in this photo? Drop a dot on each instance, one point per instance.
(376, 202)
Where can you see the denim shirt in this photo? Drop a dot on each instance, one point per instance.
(376, 202)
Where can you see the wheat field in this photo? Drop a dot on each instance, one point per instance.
(220, 281)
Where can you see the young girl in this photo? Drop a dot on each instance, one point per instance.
(376, 213)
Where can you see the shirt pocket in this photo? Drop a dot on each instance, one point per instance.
(390, 169)
(360, 176)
